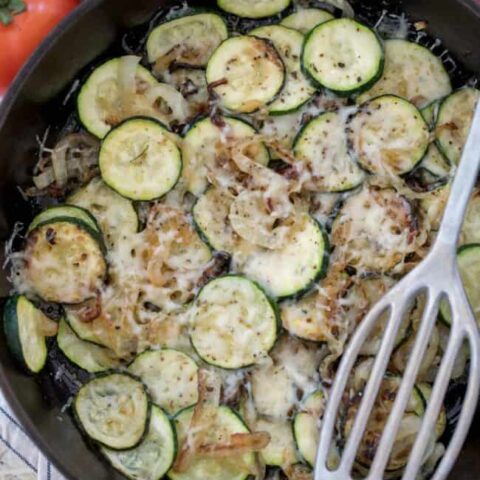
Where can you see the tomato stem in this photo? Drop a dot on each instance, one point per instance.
(9, 8)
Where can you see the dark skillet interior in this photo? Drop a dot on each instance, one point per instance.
(36, 101)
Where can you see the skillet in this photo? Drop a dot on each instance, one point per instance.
(36, 100)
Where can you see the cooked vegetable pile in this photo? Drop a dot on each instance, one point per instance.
(229, 210)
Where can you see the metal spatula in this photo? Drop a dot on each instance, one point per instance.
(438, 278)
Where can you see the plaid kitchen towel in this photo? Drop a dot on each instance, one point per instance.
(19, 457)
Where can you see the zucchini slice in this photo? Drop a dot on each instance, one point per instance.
(188, 40)
(399, 360)
(430, 113)
(85, 331)
(226, 423)
(273, 392)
(322, 147)
(170, 376)
(205, 146)
(297, 90)
(471, 224)
(210, 214)
(64, 261)
(306, 426)
(305, 20)
(65, 211)
(454, 120)
(113, 410)
(251, 329)
(468, 258)
(306, 319)
(86, 355)
(26, 328)
(343, 56)
(192, 84)
(435, 163)
(281, 449)
(294, 268)
(101, 96)
(409, 425)
(139, 160)
(388, 136)
(154, 457)
(441, 425)
(412, 72)
(365, 295)
(115, 214)
(253, 8)
(375, 230)
(246, 73)
(433, 205)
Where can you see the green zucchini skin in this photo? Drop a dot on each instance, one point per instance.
(11, 327)
(157, 413)
(65, 211)
(245, 11)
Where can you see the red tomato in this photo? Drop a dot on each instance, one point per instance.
(27, 29)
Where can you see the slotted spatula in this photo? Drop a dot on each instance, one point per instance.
(438, 278)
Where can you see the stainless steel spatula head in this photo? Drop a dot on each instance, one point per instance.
(438, 279)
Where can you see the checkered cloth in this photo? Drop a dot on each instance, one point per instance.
(20, 459)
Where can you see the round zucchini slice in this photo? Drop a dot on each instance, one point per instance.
(65, 211)
(468, 259)
(322, 147)
(412, 72)
(210, 214)
(306, 19)
(281, 449)
(98, 100)
(204, 147)
(375, 230)
(245, 73)
(115, 214)
(139, 160)
(86, 355)
(253, 8)
(251, 329)
(227, 422)
(306, 426)
(454, 120)
(388, 136)
(113, 410)
(25, 329)
(65, 261)
(170, 376)
(188, 40)
(294, 268)
(343, 56)
(297, 90)
(154, 457)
